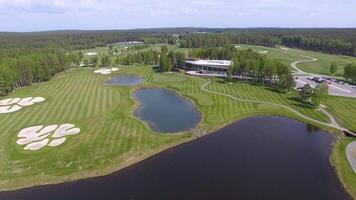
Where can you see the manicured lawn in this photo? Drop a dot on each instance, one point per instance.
(261, 93)
(321, 66)
(111, 137)
(344, 109)
(344, 170)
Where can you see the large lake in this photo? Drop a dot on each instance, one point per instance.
(256, 158)
(166, 111)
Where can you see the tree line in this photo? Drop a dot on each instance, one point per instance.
(150, 57)
(22, 67)
(320, 40)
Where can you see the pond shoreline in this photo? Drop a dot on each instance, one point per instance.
(170, 148)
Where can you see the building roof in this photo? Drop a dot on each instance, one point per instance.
(211, 63)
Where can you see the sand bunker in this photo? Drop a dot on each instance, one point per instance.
(263, 52)
(106, 71)
(37, 137)
(15, 104)
(91, 54)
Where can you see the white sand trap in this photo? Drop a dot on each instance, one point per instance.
(37, 137)
(9, 109)
(64, 130)
(15, 104)
(106, 71)
(30, 101)
(9, 101)
(91, 54)
(57, 142)
(37, 145)
(34, 134)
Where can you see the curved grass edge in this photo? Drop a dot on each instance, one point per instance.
(342, 167)
(136, 158)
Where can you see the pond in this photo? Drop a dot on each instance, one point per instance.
(257, 158)
(126, 80)
(166, 111)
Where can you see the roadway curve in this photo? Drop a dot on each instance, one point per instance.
(295, 63)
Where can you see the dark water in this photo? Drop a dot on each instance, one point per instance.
(126, 80)
(258, 158)
(165, 111)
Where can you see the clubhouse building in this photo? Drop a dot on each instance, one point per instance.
(208, 66)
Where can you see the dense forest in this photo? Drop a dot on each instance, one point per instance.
(146, 57)
(333, 41)
(26, 58)
(20, 67)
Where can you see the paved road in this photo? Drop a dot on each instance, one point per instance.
(335, 89)
(351, 154)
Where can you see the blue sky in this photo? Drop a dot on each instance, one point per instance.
(35, 15)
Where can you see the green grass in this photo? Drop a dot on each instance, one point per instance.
(261, 93)
(344, 170)
(111, 137)
(344, 109)
(322, 66)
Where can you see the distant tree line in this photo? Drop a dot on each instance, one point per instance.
(320, 40)
(146, 57)
(76, 40)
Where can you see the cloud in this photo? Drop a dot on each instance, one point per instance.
(94, 14)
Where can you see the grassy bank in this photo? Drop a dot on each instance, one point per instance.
(111, 137)
(344, 170)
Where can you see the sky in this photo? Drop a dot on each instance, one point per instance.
(40, 15)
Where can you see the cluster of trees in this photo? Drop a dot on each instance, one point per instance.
(169, 59)
(255, 67)
(23, 67)
(332, 46)
(333, 68)
(150, 57)
(315, 95)
(350, 72)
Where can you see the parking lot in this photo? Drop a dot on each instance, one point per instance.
(336, 87)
